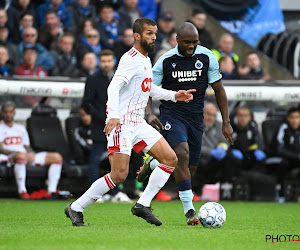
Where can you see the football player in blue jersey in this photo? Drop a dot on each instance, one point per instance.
(188, 65)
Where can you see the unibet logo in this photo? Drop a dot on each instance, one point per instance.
(146, 84)
(187, 76)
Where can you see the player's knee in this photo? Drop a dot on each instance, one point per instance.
(171, 160)
(20, 158)
(183, 155)
(57, 158)
(119, 177)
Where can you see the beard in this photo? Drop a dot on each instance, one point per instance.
(147, 47)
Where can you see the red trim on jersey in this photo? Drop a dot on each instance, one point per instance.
(114, 149)
(134, 54)
(166, 168)
(139, 146)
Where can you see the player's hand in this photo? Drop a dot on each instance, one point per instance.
(184, 95)
(110, 125)
(227, 132)
(155, 122)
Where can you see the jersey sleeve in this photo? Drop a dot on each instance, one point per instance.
(126, 69)
(158, 71)
(1, 136)
(214, 74)
(25, 137)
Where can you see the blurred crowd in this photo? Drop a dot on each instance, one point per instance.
(64, 37)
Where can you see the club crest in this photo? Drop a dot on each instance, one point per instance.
(168, 126)
(198, 64)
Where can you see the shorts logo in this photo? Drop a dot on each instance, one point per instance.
(124, 143)
(198, 64)
(168, 126)
(146, 84)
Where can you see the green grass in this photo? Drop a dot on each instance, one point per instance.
(42, 225)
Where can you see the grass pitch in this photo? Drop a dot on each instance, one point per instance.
(43, 225)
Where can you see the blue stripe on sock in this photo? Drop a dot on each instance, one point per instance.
(184, 185)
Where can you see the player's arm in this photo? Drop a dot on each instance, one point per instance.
(113, 93)
(5, 151)
(214, 78)
(221, 98)
(151, 117)
(28, 149)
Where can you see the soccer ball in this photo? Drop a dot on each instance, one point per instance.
(212, 215)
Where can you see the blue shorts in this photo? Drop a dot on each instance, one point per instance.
(187, 129)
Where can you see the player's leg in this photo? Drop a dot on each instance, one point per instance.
(149, 140)
(20, 161)
(54, 161)
(119, 159)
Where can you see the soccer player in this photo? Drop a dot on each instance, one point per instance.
(128, 94)
(15, 147)
(189, 65)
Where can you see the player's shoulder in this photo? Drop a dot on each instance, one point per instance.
(18, 126)
(203, 50)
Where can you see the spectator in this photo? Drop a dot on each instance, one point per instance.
(6, 68)
(227, 68)
(199, 20)
(61, 9)
(30, 67)
(166, 26)
(166, 45)
(245, 154)
(130, 8)
(44, 58)
(65, 57)
(14, 142)
(88, 64)
(51, 30)
(17, 9)
(94, 103)
(225, 48)
(3, 18)
(252, 69)
(81, 10)
(90, 42)
(84, 142)
(108, 27)
(11, 48)
(288, 147)
(213, 151)
(86, 25)
(26, 21)
(125, 43)
(148, 8)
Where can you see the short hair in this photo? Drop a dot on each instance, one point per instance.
(243, 107)
(8, 104)
(30, 13)
(106, 52)
(292, 110)
(197, 12)
(224, 35)
(3, 47)
(138, 26)
(66, 34)
(51, 11)
(251, 53)
(35, 30)
(105, 6)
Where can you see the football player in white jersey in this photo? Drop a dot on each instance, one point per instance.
(15, 148)
(126, 129)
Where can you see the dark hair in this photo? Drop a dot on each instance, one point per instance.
(292, 110)
(224, 58)
(245, 108)
(66, 34)
(197, 12)
(8, 104)
(138, 26)
(106, 52)
(251, 52)
(30, 13)
(51, 11)
(105, 6)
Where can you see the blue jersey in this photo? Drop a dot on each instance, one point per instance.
(175, 72)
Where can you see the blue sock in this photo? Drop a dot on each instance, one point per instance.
(186, 195)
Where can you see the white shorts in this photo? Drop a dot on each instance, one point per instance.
(139, 138)
(3, 158)
(39, 159)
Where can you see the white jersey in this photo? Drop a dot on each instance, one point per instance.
(14, 138)
(136, 71)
